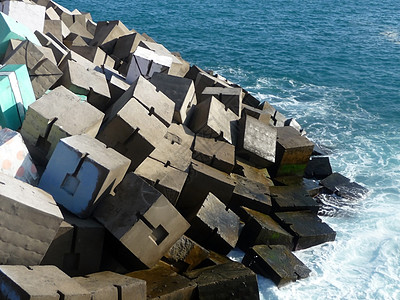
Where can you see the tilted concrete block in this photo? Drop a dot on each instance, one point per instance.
(112, 286)
(261, 229)
(28, 14)
(117, 87)
(250, 100)
(163, 283)
(57, 115)
(11, 29)
(43, 70)
(39, 282)
(132, 130)
(251, 194)
(318, 168)
(230, 97)
(276, 263)
(107, 33)
(179, 90)
(293, 152)
(29, 220)
(145, 62)
(217, 154)
(15, 159)
(203, 80)
(210, 119)
(250, 171)
(50, 13)
(81, 171)
(292, 198)
(142, 219)
(341, 186)
(50, 41)
(214, 227)
(57, 28)
(256, 142)
(186, 254)
(74, 39)
(307, 227)
(16, 94)
(202, 180)
(126, 45)
(169, 181)
(12, 45)
(93, 54)
(84, 81)
(260, 115)
(79, 28)
(227, 281)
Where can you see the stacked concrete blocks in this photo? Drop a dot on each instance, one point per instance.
(81, 171)
(230, 97)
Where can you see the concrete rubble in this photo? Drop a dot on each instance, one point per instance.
(127, 173)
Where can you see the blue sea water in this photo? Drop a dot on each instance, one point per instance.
(334, 66)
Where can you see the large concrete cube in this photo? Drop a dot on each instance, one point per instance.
(107, 33)
(28, 14)
(126, 45)
(230, 97)
(142, 219)
(81, 171)
(39, 282)
(292, 198)
(210, 119)
(56, 115)
(48, 40)
(179, 90)
(203, 80)
(16, 94)
(256, 141)
(29, 220)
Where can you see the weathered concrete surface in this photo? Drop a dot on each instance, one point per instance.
(217, 154)
(186, 254)
(29, 220)
(228, 281)
(211, 120)
(341, 186)
(250, 171)
(107, 33)
(168, 180)
(203, 79)
(230, 97)
(261, 229)
(112, 286)
(50, 41)
(142, 219)
(292, 198)
(307, 227)
(163, 283)
(57, 115)
(276, 263)
(318, 168)
(214, 227)
(256, 141)
(39, 282)
(81, 171)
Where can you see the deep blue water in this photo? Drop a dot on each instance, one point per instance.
(335, 66)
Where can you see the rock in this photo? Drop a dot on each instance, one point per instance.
(276, 263)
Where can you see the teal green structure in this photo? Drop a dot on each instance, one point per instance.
(11, 29)
(16, 94)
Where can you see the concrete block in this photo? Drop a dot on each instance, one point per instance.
(93, 54)
(192, 72)
(132, 130)
(57, 115)
(214, 227)
(151, 98)
(29, 220)
(204, 80)
(210, 119)
(249, 170)
(112, 286)
(202, 180)
(126, 45)
(74, 39)
(260, 115)
(169, 181)
(293, 152)
(179, 90)
(16, 95)
(15, 159)
(81, 80)
(81, 171)
(217, 154)
(43, 70)
(50, 41)
(57, 28)
(142, 219)
(79, 28)
(318, 168)
(186, 254)
(145, 63)
(28, 14)
(250, 100)
(12, 45)
(117, 87)
(230, 97)
(225, 281)
(261, 229)
(251, 194)
(39, 282)
(50, 13)
(163, 283)
(107, 33)
(292, 198)
(256, 142)
(292, 122)
(214, 259)
(307, 227)
(276, 263)
(343, 187)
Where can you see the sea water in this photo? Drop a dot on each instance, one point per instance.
(333, 65)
